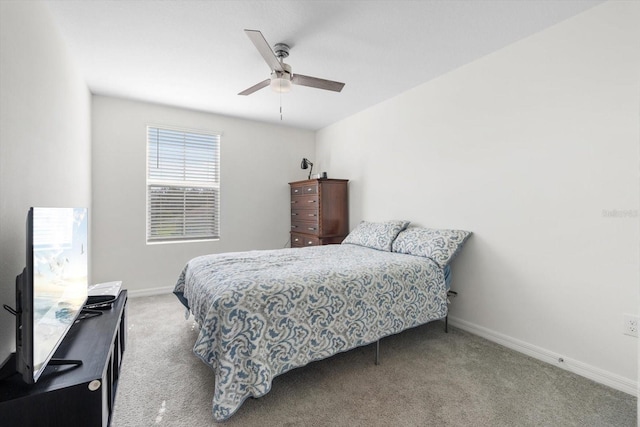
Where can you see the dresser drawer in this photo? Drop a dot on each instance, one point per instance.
(297, 190)
(304, 214)
(310, 189)
(301, 240)
(304, 202)
(309, 227)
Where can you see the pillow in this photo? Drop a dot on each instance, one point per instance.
(376, 235)
(439, 245)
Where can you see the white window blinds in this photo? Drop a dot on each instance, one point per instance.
(183, 185)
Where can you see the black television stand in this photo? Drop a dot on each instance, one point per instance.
(82, 395)
(9, 367)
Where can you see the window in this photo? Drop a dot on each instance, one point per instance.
(183, 185)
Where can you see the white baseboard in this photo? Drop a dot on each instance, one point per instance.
(591, 372)
(152, 291)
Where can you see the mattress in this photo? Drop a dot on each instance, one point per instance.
(262, 313)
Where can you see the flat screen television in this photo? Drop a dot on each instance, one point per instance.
(52, 289)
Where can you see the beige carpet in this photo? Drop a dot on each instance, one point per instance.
(426, 378)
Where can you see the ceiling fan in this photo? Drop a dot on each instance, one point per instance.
(281, 76)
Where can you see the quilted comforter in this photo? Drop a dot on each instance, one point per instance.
(262, 313)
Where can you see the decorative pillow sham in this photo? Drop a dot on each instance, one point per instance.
(375, 235)
(439, 245)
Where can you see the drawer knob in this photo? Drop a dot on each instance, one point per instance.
(312, 228)
(312, 201)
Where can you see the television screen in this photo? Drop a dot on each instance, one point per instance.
(59, 276)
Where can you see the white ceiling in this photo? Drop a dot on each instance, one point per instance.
(194, 54)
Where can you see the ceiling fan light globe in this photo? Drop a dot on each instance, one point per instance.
(280, 85)
(280, 81)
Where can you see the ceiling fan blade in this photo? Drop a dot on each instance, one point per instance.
(299, 79)
(265, 50)
(255, 87)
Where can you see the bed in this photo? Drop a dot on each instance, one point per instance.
(263, 313)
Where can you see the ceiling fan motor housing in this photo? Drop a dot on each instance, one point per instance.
(281, 80)
(286, 74)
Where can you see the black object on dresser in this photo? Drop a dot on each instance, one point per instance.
(319, 212)
(73, 395)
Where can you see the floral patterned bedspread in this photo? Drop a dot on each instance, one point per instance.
(262, 313)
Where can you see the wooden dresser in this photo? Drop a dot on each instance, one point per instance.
(319, 212)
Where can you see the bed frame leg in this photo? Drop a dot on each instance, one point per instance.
(377, 352)
(450, 294)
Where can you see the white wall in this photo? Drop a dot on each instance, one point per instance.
(530, 148)
(45, 147)
(257, 162)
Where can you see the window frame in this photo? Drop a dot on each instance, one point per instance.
(182, 184)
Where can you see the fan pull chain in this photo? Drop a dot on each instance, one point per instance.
(280, 106)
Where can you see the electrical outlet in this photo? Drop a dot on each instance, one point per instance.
(630, 325)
